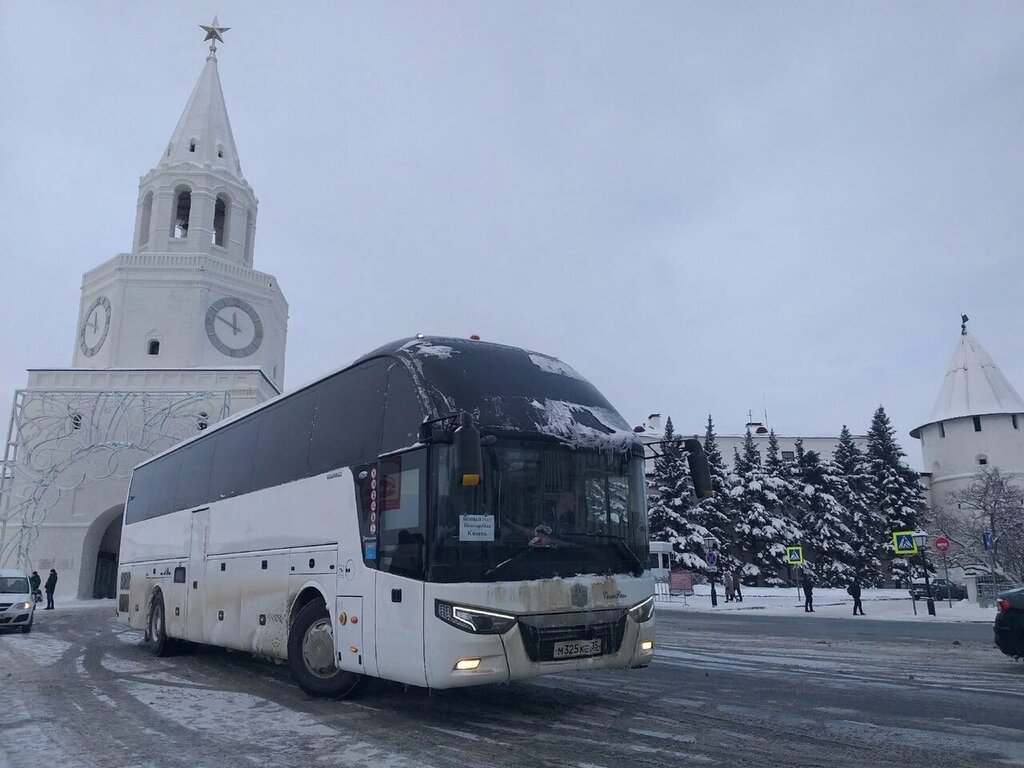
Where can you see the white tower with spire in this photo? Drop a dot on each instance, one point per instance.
(171, 337)
(187, 295)
(977, 421)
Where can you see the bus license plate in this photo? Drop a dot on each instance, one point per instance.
(570, 649)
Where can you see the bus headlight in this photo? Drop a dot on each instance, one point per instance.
(475, 620)
(643, 611)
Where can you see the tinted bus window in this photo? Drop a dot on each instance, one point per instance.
(232, 460)
(282, 446)
(139, 495)
(403, 413)
(194, 476)
(152, 489)
(347, 423)
(164, 481)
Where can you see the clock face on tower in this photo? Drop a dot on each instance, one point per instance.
(233, 327)
(95, 325)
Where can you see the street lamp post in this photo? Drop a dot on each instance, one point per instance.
(921, 538)
(711, 558)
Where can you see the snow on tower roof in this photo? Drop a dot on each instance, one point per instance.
(973, 386)
(203, 134)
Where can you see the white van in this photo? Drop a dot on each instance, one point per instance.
(17, 607)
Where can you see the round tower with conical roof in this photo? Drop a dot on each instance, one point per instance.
(977, 421)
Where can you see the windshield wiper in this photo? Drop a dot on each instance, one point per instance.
(638, 566)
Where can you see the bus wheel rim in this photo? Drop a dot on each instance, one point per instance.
(318, 649)
(158, 621)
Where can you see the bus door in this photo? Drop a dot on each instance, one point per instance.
(196, 577)
(399, 610)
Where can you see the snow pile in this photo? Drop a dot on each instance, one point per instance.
(886, 604)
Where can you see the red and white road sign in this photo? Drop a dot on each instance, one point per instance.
(941, 543)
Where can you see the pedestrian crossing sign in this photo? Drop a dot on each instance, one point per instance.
(794, 555)
(903, 543)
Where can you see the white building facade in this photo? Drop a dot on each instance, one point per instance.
(652, 431)
(173, 336)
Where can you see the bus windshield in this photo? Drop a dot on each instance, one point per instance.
(542, 510)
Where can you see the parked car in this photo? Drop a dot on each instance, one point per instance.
(17, 608)
(1009, 625)
(942, 589)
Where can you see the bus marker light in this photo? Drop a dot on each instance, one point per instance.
(466, 664)
(471, 479)
(343, 618)
(353, 649)
(647, 645)
(354, 619)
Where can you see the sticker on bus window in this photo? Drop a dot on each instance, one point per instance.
(391, 492)
(370, 550)
(476, 527)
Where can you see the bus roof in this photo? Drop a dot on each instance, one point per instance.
(507, 389)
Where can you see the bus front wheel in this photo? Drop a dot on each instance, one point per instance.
(311, 655)
(157, 640)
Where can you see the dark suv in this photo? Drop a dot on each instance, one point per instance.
(942, 589)
(1009, 626)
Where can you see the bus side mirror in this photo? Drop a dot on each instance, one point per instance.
(699, 469)
(468, 456)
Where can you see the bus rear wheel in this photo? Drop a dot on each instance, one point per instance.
(157, 640)
(311, 655)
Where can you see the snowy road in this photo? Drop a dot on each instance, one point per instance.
(736, 691)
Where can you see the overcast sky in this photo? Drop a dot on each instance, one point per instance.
(702, 207)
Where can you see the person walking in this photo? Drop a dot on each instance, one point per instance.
(808, 584)
(854, 592)
(51, 584)
(737, 585)
(730, 588)
(34, 581)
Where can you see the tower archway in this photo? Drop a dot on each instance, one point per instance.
(100, 551)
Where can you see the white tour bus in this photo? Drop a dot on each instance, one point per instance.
(442, 512)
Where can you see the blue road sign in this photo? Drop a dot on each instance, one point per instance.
(794, 555)
(989, 539)
(711, 559)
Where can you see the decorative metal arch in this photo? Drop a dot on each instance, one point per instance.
(59, 441)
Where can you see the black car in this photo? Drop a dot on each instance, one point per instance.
(942, 589)
(1009, 626)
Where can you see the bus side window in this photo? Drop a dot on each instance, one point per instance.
(347, 422)
(232, 460)
(402, 513)
(403, 413)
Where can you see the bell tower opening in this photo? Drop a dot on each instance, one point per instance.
(182, 212)
(146, 219)
(220, 221)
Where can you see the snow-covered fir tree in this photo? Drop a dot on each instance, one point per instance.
(716, 512)
(826, 533)
(861, 518)
(894, 492)
(762, 529)
(780, 472)
(672, 510)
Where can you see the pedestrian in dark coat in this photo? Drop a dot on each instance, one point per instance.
(854, 590)
(51, 584)
(737, 585)
(808, 584)
(34, 581)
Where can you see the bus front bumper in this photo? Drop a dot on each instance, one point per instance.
(455, 658)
